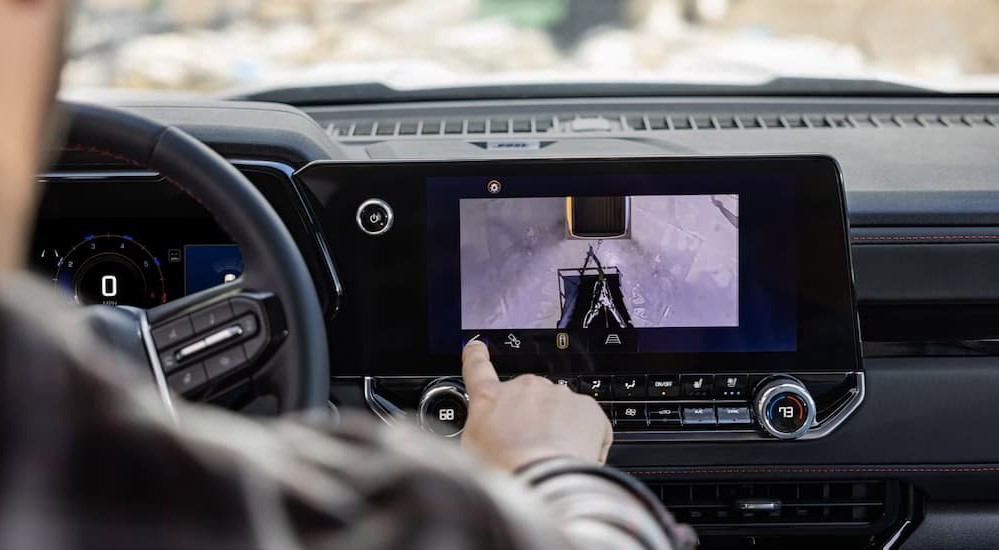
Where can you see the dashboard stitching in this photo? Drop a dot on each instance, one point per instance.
(133, 162)
(925, 237)
(899, 469)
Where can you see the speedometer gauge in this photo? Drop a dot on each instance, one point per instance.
(111, 270)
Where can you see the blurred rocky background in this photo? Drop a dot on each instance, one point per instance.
(210, 45)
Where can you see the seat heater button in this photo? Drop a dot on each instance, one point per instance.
(188, 379)
(697, 385)
(212, 317)
(699, 416)
(734, 415)
(173, 333)
(731, 386)
(225, 362)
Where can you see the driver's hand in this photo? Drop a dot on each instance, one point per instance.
(527, 419)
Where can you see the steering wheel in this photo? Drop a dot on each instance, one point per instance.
(264, 331)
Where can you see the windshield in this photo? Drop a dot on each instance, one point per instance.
(218, 45)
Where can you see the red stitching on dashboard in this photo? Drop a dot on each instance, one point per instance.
(133, 162)
(898, 469)
(925, 237)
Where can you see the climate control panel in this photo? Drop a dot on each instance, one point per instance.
(682, 406)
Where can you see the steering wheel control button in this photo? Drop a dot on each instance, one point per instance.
(630, 415)
(212, 317)
(223, 335)
(734, 416)
(697, 385)
(168, 362)
(785, 408)
(664, 387)
(243, 306)
(629, 387)
(187, 380)
(225, 362)
(731, 386)
(444, 409)
(699, 416)
(248, 325)
(663, 414)
(190, 350)
(597, 387)
(375, 217)
(173, 333)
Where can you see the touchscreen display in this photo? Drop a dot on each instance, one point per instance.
(587, 272)
(609, 263)
(590, 266)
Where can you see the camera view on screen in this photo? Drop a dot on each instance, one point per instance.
(600, 263)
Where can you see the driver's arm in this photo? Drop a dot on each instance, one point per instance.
(88, 458)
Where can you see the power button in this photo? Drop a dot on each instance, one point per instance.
(374, 217)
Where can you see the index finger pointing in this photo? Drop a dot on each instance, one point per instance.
(476, 368)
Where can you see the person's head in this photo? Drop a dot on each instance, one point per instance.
(31, 36)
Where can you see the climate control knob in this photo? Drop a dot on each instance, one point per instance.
(784, 408)
(444, 408)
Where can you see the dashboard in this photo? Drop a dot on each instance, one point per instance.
(375, 196)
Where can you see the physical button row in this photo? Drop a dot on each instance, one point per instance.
(666, 416)
(654, 386)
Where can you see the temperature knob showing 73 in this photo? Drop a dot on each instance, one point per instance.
(113, 270)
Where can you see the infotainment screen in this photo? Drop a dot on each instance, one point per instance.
(589, 266)
(609, 264)
(534, 264)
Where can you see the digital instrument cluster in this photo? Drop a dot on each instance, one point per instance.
(120, 269)
(128, 243)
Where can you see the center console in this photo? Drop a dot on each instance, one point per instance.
(695, 299)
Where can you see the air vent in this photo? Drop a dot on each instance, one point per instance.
(803, 504)
(577, 123)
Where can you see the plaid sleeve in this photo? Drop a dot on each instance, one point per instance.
(88, 458)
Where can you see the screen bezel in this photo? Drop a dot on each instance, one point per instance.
(365, 335)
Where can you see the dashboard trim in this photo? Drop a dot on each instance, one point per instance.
(97, 175)
(374, 404)
(317, 237)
